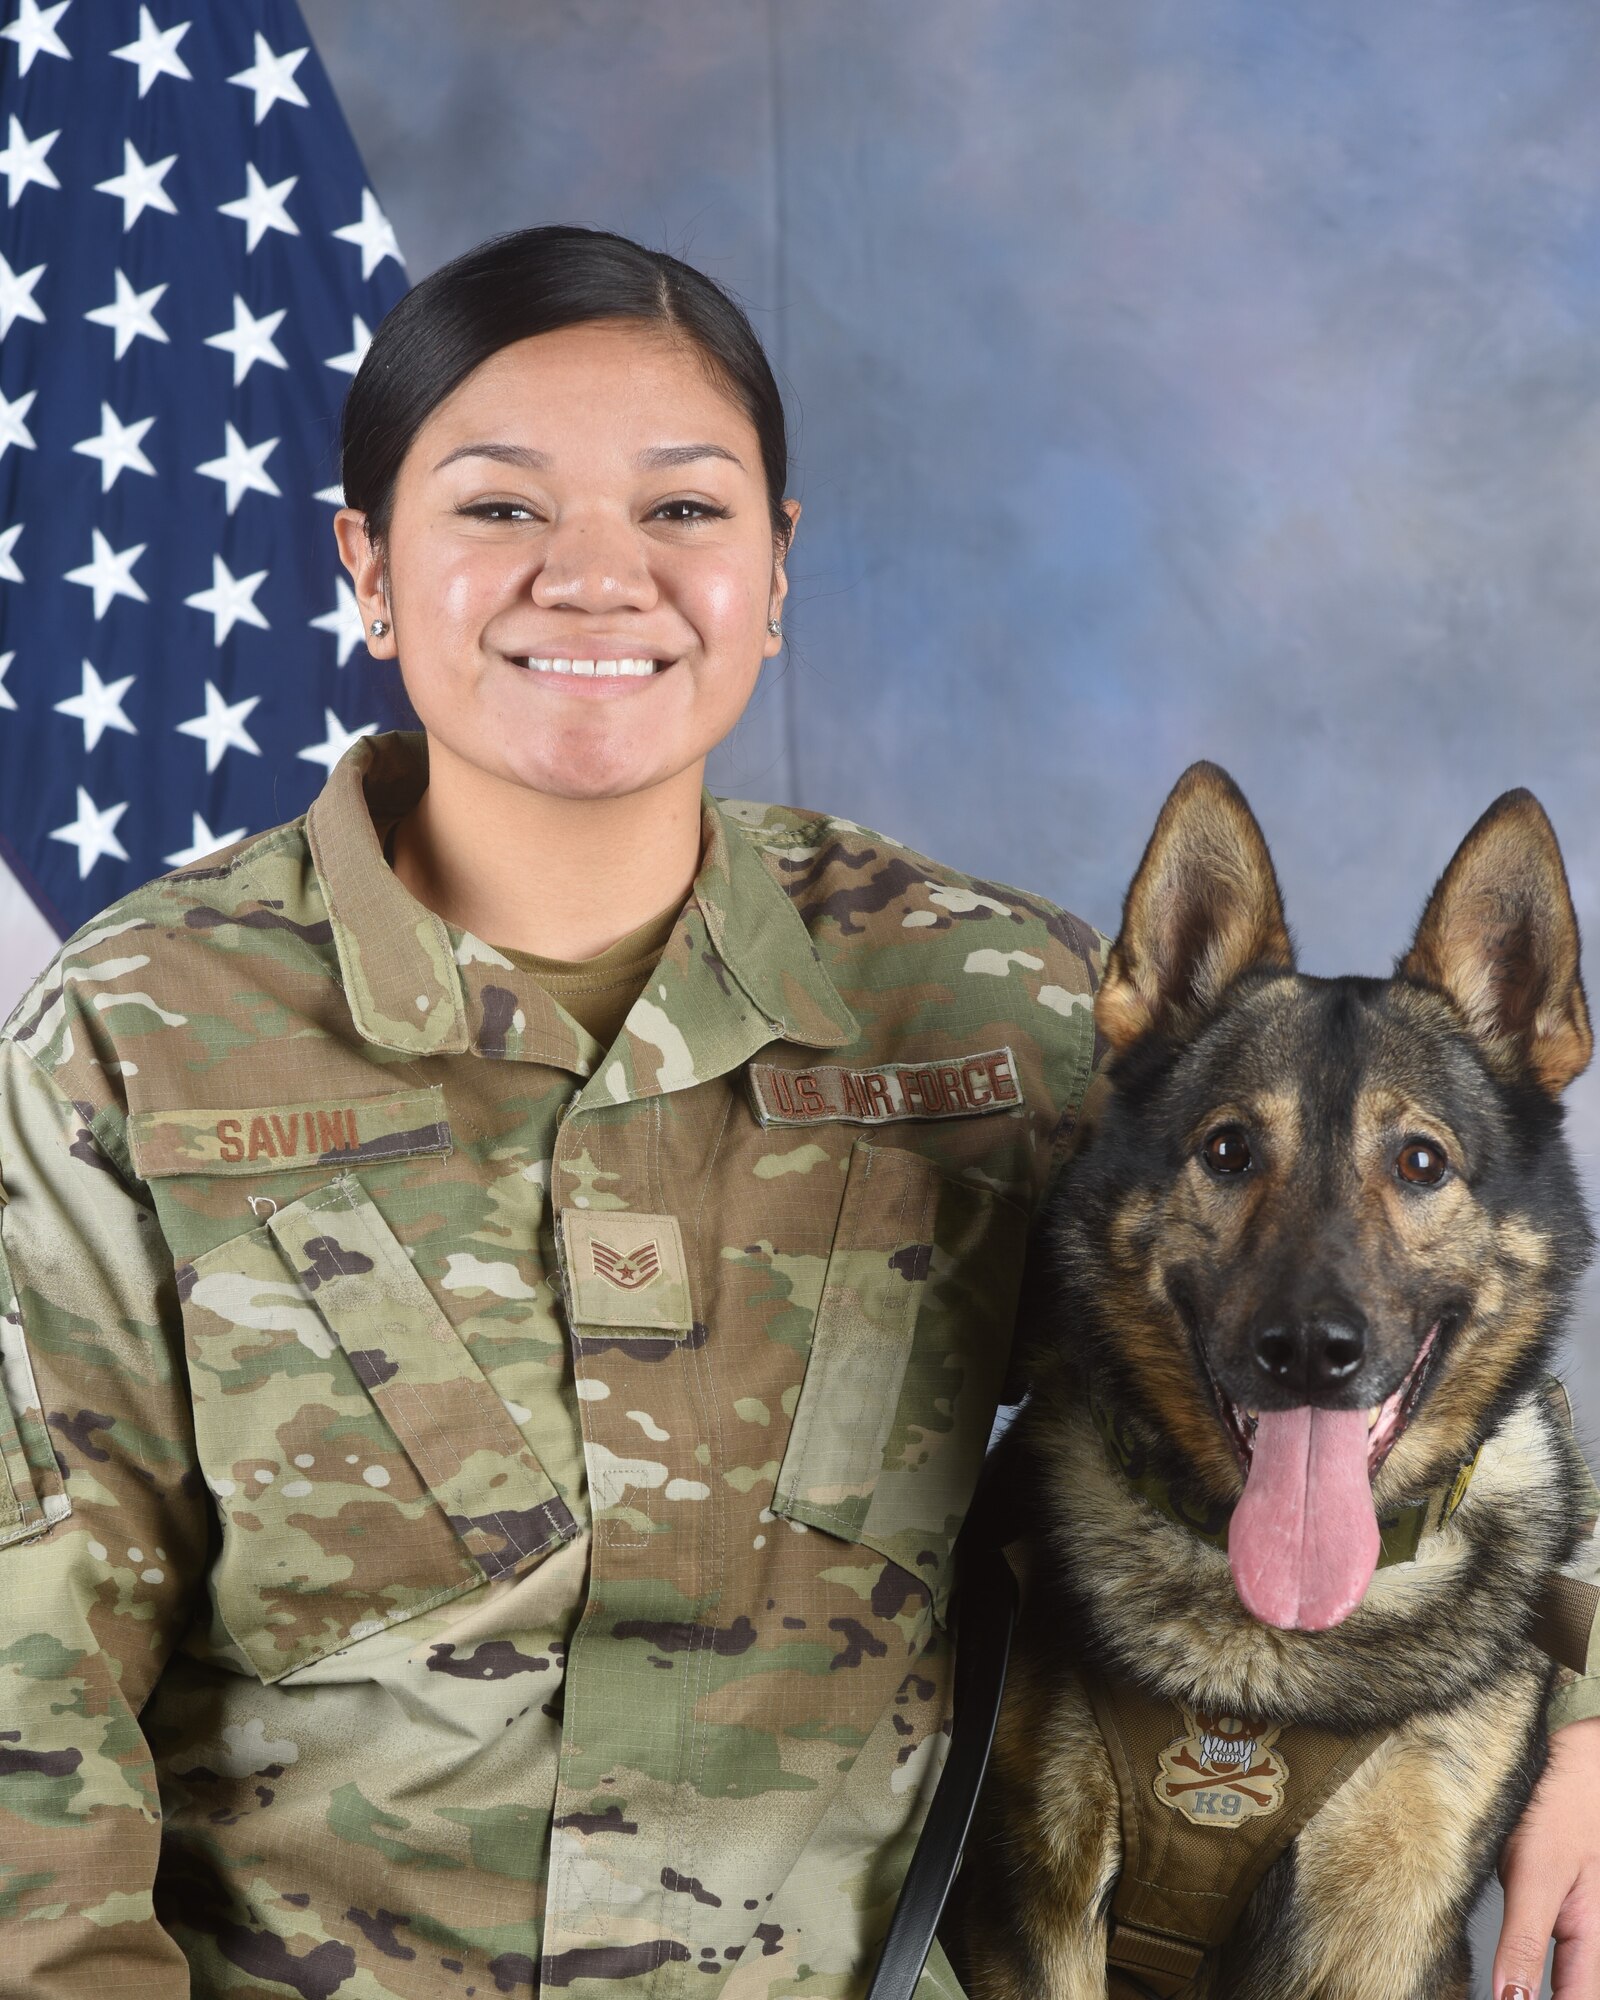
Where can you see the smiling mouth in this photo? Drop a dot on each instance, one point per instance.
(1385, 1421)
(635, 669)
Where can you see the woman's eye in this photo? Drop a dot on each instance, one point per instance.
(1227, 1151)
(1422, 1163)
(499, 510)
(688, 510)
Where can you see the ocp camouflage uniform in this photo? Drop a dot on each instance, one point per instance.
(479, 1504)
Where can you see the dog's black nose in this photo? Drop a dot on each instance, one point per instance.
(1317, 1353)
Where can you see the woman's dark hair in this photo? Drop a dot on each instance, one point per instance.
(538, 281)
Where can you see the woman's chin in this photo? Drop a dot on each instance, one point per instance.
(605, 772)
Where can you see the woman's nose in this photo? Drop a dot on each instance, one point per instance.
(595, 565)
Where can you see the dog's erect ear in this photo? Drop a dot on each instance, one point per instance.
(1499, 937)
(1204, 907)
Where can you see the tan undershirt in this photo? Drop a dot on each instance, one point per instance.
(598, 992)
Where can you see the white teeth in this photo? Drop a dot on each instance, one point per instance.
(594, 669)
(1373, 1415)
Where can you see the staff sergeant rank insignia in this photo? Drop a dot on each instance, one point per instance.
(627, 1271)
(963, 1086)
(1223, 1772)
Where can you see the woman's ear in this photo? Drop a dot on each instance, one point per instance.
(363, 558)
(775, 607)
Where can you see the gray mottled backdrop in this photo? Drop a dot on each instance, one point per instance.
(1178, 378)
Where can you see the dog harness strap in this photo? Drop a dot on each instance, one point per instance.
(1564, 1616)
(1141, 1962)
(1208, 1804)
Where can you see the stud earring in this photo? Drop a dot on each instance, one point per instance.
(774, 629)
(377, 628)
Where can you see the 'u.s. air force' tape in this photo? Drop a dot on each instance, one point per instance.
(962, 1086)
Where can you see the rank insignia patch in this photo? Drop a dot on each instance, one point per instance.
(626, 1270)
(1223, 1772)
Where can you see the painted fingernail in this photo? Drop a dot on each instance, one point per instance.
(1516, 1993)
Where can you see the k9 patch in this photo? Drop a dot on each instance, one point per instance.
(1224, 1772)
(963, 1086)
(626, 1270)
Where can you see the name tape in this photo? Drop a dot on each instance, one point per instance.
(257, 1138)
(966, 1086)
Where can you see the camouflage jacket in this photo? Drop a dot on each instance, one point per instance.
(477, 1507)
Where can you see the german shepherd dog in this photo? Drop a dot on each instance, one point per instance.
(1290, 1467)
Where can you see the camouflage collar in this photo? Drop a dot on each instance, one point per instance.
(399, 973)
(761, 938)
(400, 970)
(1401, 1529)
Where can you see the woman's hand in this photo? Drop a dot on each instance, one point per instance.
(1550, 1870)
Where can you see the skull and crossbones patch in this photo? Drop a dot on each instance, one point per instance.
(1223, 1772)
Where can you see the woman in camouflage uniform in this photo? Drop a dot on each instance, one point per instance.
(490, 1410)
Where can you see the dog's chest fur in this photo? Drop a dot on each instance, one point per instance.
(1114, 1588)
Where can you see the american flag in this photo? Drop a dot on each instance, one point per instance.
(191, 261)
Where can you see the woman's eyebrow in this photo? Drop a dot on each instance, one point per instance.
(507, 454)
(664, 455)
(656, 459)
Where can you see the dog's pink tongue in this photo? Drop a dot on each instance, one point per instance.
(1303, 1542)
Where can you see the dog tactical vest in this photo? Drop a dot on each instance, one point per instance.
(1208, 1804)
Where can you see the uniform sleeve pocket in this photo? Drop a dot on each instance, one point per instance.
(907, 1356)
(364, 1466)
(33, 1495)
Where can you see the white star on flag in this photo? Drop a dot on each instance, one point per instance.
(16, 296)
(5, 668)
(222, 728)
(22, 161)
(13, 430)
(98, 707)
(337, 741)
(240, 467)
(34, 32)
(343, 621)
(91, 832)
(272, 78)
(261, 208)
(156, 51)
(334, 495)
(373, 235)
(138, 186)
(117, 447)
(250, 340)
(109, 574)
(130, 314)
(230, 600)
(204, 842)
(360, 341)
(9, 572)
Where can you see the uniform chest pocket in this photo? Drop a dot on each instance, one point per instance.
(364, 1466)
(907, 1358)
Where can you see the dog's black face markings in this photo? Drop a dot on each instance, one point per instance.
(1318, 1271)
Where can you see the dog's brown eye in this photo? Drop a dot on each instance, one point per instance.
(1421, 1162)
(1227, 1151)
